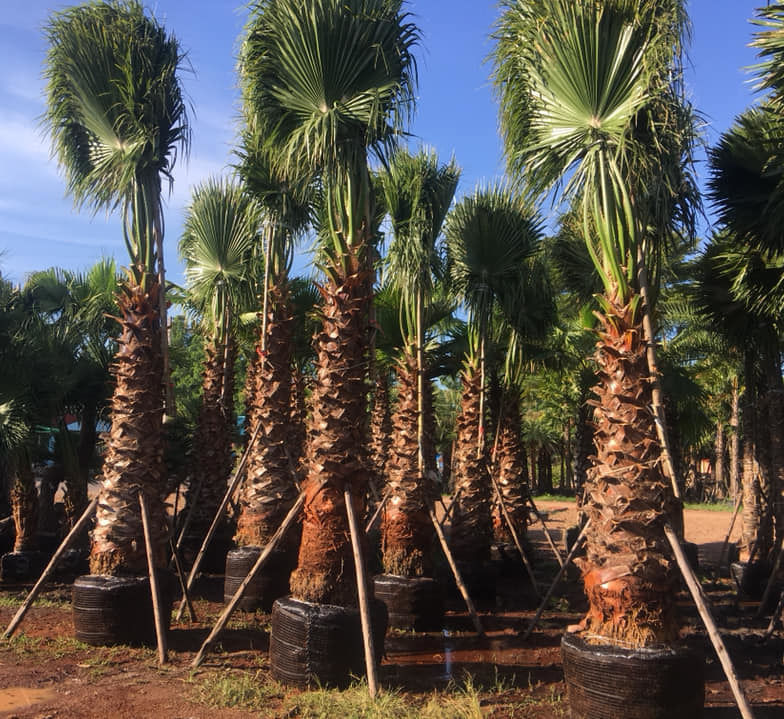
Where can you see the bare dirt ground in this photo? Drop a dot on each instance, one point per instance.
(45, 673)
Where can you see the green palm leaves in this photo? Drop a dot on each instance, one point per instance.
(116, 112)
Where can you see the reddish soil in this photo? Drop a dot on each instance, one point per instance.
(44, 673)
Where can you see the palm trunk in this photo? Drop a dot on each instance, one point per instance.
(134, 457)
(628, 572)
(211, 453)
(406, 530)
(380, 429)
(24, 506)
(299, 416)
(335, 457)
(269, 489)
(510, 464)
(472, 530)
(735, 442)
(719, 450)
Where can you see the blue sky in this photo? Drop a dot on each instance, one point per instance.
(456, 112)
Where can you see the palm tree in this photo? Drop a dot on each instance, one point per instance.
(491, 235)
(117, 117)
(322, 120)
(220, 234)
(591, 105)
(417, 193)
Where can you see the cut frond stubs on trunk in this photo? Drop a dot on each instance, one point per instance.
(510, 469)
(472, 531)
(334, 453)
(406, 530)
(134, 455)
(269, 490)
(628, 571)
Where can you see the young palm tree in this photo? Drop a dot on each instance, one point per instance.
(417, 193)
(117, 116)
(319, 118)
(590, 98)
(491, 237)
(221, 231)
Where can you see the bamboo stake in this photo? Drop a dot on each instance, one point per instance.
(771, 581)
(160, 627)
(456, 573)
(377, 513)
(707, 619)
(218, 514)
(255, 569)
(191, 509)
(64, 545)
(364, 604)
(557, 579)
(181, 578)
(546, 531)
(738, 503)
(452, 505)
(513, 531)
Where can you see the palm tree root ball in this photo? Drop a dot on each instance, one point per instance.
(413, 603)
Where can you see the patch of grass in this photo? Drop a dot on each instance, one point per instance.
(10, 602)
(351, 703)
(238, 689)
(55, 647)
(712, 507)
(460, 700)
(555, 498)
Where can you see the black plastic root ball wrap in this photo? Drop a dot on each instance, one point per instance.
(321, 643)
(611, 682)
(412, 602)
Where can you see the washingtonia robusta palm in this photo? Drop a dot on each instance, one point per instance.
(220, 233)
(591, 105)
(417, 195)
(491, 235)
(117, 117)
(328, 82)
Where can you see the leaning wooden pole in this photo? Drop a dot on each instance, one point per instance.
(774, 618)
(557, 579)
(372, 521)
(547, 534)
(181, 579)
(456, 573)
(255, 569)
(448, 510)
(362, 593)
(513, 531)
(218, 515)
(160, 627)
(64, 545)
(707, 619)
(771, 580)
(725, 543)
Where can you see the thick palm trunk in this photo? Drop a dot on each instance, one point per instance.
(472, 530)
(381, 429)
(719, 450)
(583, 446)
(24, 507)
(269, 489)
(211, 453)
(134, 455)
(628, 573)
(299, 416)
(406, 531)
(510, 470)
(735, 442)
(335, 456)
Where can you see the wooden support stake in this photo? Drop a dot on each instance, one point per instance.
(546, 531)
(451, 506)
(181, 578)
(513, 531)
(557, 579)
(771, 580)
(456, 573)
(707, 619)
(738, 503)
(776, 614)
(194, 500)
(218, 515)
(377, 513)
(255, 569)
(64, 545)
(362, 593)
(160, 627)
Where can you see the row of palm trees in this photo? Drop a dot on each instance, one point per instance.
(594, 115)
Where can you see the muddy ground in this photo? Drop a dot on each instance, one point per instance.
(45, 673)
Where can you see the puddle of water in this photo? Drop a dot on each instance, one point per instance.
(22, 697)
(447, 654)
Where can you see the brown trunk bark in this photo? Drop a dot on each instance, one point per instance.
(629, 575)
(406, 531)
(735, 442)
(269, 489)
(380, 430)
(335, 456)
(719, 450)
(510, 471)
(24, 507)
(299, 416)
(472, 530)
(134, 456)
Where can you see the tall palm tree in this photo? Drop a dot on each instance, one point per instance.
(117, 117)
(491, 235)
(417, 193)
(320, 118)
(591, 105)
(221, 231)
